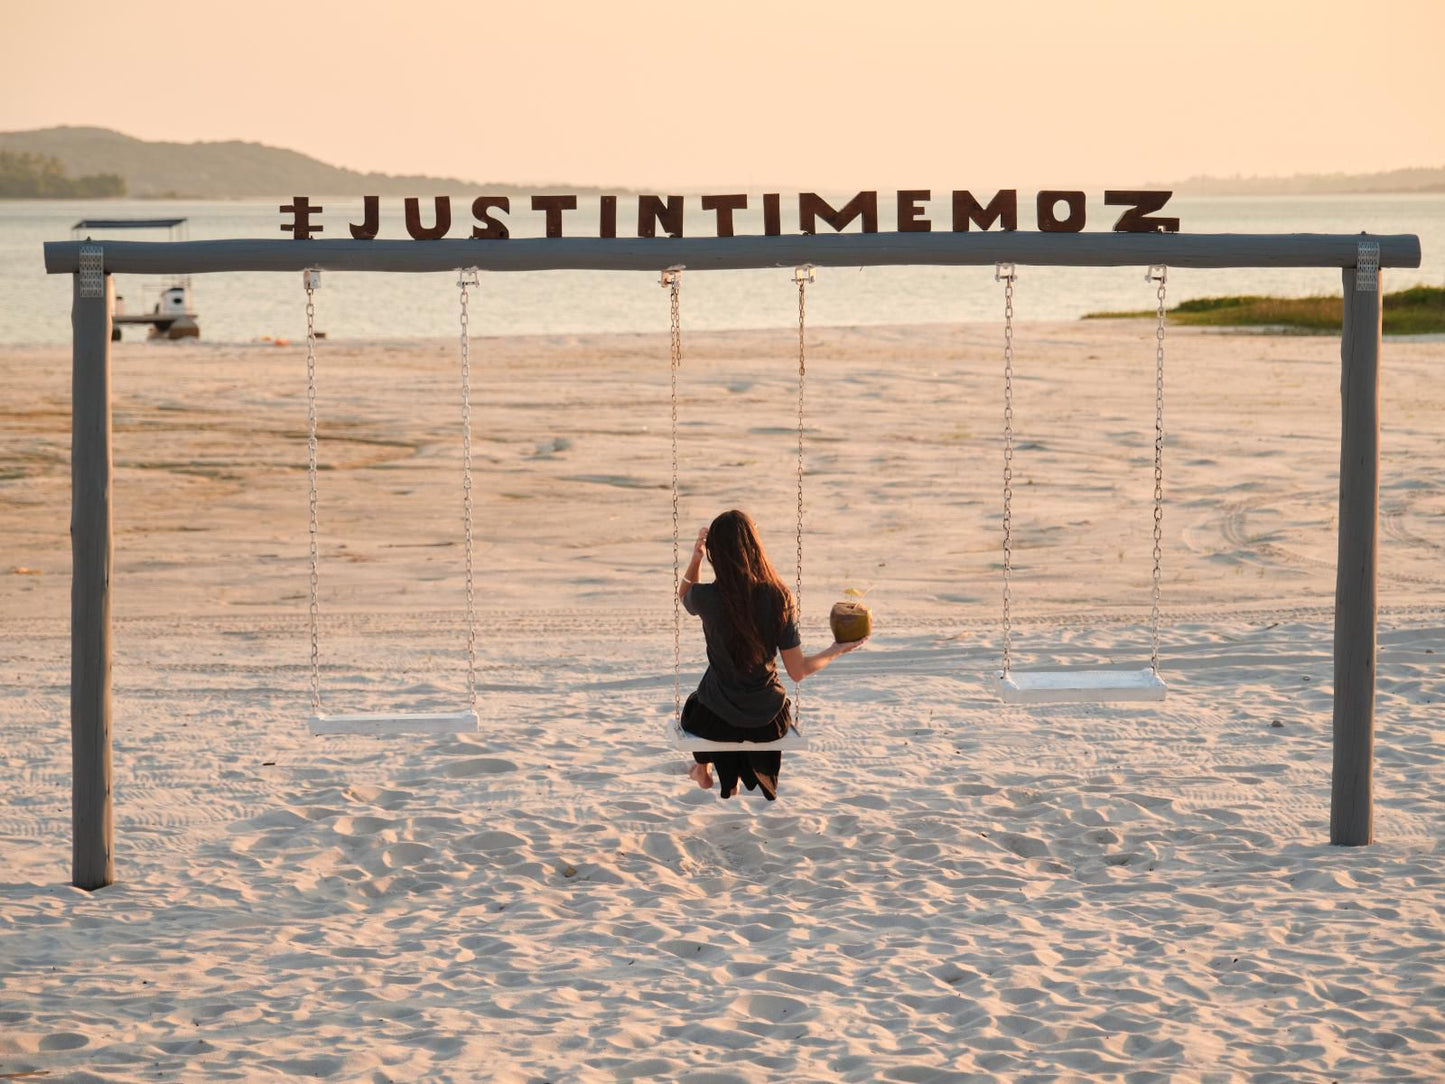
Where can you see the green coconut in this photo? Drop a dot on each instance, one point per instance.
(851, 621)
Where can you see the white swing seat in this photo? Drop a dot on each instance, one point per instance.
(689, 743)
(385, 723)
(1077, 686)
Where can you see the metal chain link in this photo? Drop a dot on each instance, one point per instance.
(1005, 273)
(1159, 274)
(672, 279)
(802, 276)
(467, 277)
(311, 280)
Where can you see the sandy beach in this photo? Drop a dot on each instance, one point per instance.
(947, 889)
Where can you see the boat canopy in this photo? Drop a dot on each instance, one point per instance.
(128, 223)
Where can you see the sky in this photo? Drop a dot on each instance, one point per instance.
(751, 95)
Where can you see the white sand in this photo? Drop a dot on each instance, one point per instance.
(947, 890)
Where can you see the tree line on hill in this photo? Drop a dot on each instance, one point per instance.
(39, 176)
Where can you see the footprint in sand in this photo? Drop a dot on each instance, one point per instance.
(64, 1040)
(772, 1008)
(378, 796)
(468, 769)
(755, 933)
(690, 950)
(361, 826)
(1023, 846)
(494, 840)
(400, 855)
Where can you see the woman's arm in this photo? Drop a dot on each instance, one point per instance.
(800, 665)
(694, 567)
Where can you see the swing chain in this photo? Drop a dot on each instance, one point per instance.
(1006, 274)
(312, 279)
(672, 279)
(467, 277)
(1160, 274)
(802, 276)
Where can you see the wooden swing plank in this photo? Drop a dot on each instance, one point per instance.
(386, 723)
(1077, 686)
(688, 743)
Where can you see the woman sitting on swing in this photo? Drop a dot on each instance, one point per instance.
(748, 616)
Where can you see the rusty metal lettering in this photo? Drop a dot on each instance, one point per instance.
(1049, 222)
(1003, 209)
(910, 214)
(665, 214)
(301, 227)
(725, 206)
(812, 207)
(443, 205)
(652, 212)
(554, 206)
(489, 227)
(772, 214)
(371, 220)
(1137, 219)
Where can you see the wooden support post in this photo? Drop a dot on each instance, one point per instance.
(92, 848)
(1355, 608)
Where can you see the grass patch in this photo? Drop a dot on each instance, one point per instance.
(1419, 310)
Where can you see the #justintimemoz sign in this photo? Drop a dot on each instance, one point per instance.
(1055, 211)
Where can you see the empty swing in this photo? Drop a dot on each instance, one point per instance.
(680, 738)
(1079, 685)
(385, 723)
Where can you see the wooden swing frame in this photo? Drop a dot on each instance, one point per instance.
(1360, 257)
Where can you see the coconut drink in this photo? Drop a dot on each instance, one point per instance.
(851, 621)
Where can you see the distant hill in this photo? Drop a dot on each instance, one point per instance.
(1315, 184)
(237, 170)
(229, 170)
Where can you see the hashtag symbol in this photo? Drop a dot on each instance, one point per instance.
(301, 227)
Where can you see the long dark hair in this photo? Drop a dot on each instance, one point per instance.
(748, 585)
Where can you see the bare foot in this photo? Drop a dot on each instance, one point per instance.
(700, 775)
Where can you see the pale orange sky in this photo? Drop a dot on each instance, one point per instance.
(843, 94)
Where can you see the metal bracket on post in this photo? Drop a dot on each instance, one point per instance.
(1367, 268)
(92, 271)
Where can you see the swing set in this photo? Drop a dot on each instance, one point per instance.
(91, 266)
(1013, 686)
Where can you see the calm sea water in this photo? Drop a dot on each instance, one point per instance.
(34, 306)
